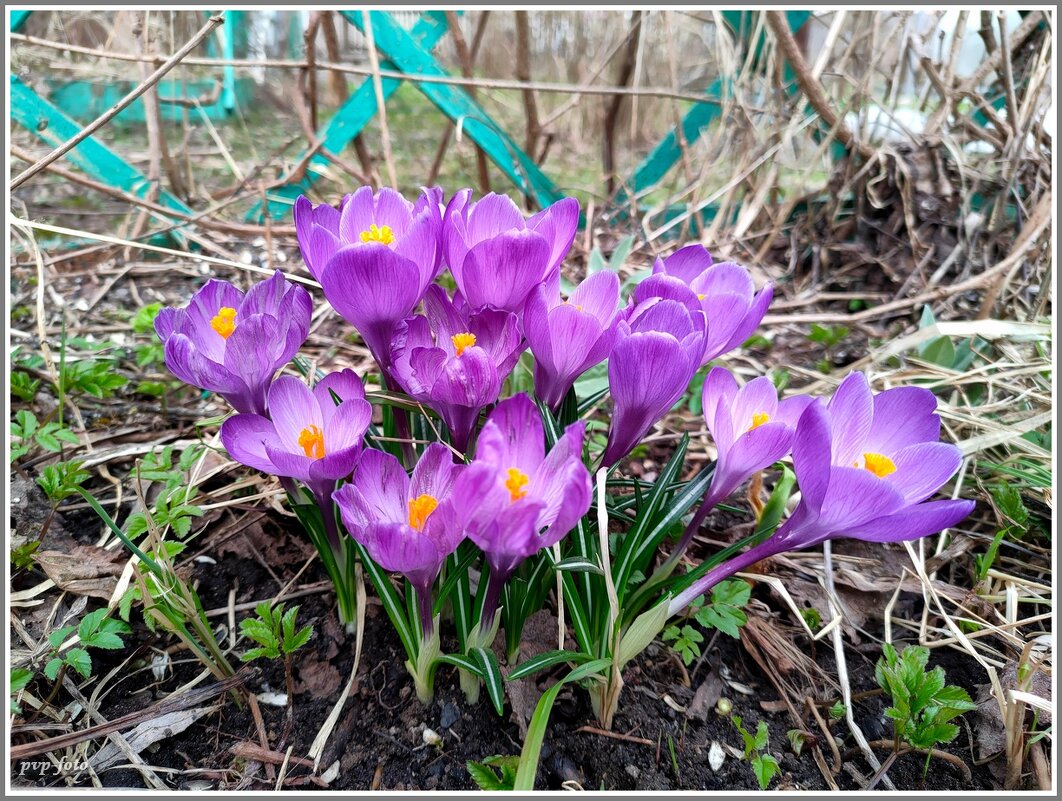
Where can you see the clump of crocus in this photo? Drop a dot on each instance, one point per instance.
(233, 343)
(518, 499)
(569, 337)
(751, 430)
(657, 351)
(455, 360)
(865, 465)
(312, 436)
(374, 258)
(408, 525)
(497, 256)
(727, 294)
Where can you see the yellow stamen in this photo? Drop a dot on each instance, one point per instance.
(577, 306)
(758, 419)
(419, 510)
(311, 440)
(879, 464)
(462, 341)
(700, 297)
(224, 321)
(382, 234)
(516, 484)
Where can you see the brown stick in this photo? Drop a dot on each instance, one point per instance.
(615, 735)
(339, 83)
(523, 73)
(445, 80)
(381, 106)
(810, 85)
(608, 143)
(465, 57)
(309, 44)
(113, 111)
(163, 707)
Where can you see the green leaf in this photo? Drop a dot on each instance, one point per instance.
(546, 660)
(51, 670)
(58, 637)
(578, 564)
(492, 677)
(620, 254)
(641, 632)
(734, 592)
(79, 660)
(762, 735)
(20, 679)
(766, 768)
(938, 350)
(536, 730)
(485, 777)
(462, 662)
(797, 738)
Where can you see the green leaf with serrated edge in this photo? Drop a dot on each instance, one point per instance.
(51, 670)
(79, 660)
(536, 729)
(57, 637)
(492, 677)
(105, 640)
(761, 736)
(485, 777)
(766, 768)
(298, 640)
(90, 623)
(546, 660)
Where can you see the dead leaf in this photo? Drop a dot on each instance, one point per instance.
(704, 700)
(83, 570)
(318, 677)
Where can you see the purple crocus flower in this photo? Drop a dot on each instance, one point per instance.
(751, 429)
(496, 256)
(408, 525)
(374, 258)
(865, 465)
(517, 499)
(230, 343)
(313, 436)
(726, 293)
(657, 352)
(569, 337)
(455, 360)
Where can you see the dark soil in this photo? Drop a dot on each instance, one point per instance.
(379, 741)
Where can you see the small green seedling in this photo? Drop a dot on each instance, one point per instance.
(61, 480)
(95, 630)
(495, 773)
(922, 705)
(723, 613)
(23, 386)
(20, 679)
(764, 765)
(274, 631)
(27, 432)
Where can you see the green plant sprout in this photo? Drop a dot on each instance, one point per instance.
(96, 630)
(922, 704)
(764, 765)
(20, 679)
(495, 773)
(27, 432)
(274, 631)
(723, 613)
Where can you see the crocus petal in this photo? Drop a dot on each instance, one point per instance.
(686, 263)
(851, 409)
(400, 549)
(335, 464)
(435, 472)
(293, 408)
(245, 436)
(501, 271)
(812, 450)
(913, 522)
(921, 469)
(513, 436)
(347, 425)
(598, 295)
(493, 215)
(186, 362)
(383, 485)
(286, 463)
(719, 390)
(343, 385)
(372, 289)
(903, 416)
(558, 223)
(246, 353)
(855, 496)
